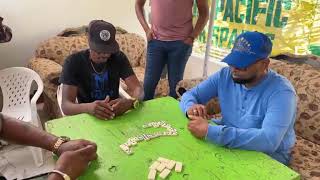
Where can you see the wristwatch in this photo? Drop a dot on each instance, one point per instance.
(64, 175)
(135, 102)
(59, 142)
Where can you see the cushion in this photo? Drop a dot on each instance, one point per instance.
(305, 80)
(59, 48)
(306, 159)
(133, 47)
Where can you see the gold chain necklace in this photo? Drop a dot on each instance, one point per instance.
(104, 68)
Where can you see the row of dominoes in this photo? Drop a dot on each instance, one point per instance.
(126, 147)
(156, 124)
(164, 166)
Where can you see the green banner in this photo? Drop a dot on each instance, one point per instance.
(292, 25)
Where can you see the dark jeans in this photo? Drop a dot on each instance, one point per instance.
(175, 55)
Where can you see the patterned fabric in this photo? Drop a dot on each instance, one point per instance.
(78, 31)
(51, 107)
(306, 159)
(289, 70)
(308, 116)
(143, 58)
(162, 88)
(120, 30)
(58, 48)
(186, 84)
(305, 80)
(133, 46)
(49, 71)
(139, 71)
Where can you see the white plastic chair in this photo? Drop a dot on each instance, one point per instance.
(122, 93)
(59, 98)
(16, 84)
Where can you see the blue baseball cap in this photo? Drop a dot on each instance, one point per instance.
(248, 48)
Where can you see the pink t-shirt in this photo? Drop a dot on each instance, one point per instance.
(171, 19)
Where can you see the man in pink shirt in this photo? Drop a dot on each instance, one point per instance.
(170, 39)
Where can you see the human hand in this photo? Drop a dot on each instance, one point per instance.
(150, 35)
(74, 145)
(121, 105)
(197, 110)
(198, 126)
(74, 163)
(189, 41)
(101, 109)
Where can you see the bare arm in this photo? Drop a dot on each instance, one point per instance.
(135, 87)
(98, 108)
(140, 14)
(75, 154)
(203, 17)
(74, 163)
(122, 105)
(69, 105)
(22, 133)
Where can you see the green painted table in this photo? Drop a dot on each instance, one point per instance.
(201, 160)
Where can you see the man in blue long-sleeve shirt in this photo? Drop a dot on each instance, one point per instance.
(258, 105)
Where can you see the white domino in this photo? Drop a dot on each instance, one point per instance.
(152, 174)
(170, 164)
(164, 173)
(133, 141)
(164, 160)
(178, 167)
(124, 147)
(164, 166)
(161, 167)
(154, 165)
